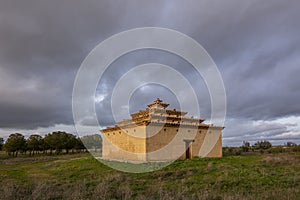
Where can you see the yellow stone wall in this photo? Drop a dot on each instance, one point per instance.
(125, 144)
(162, 143)
(168, 142)
(217, 149)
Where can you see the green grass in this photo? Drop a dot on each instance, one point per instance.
(80, 176)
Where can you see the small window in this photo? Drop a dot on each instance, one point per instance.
(176, 130)
(165, 129)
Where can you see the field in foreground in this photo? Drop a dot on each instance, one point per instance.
(80, 176)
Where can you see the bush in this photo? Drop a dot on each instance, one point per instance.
(262, 145)
(1, 143)
(232, 151)
(296, 148)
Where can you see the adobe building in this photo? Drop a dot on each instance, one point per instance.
(159, 134)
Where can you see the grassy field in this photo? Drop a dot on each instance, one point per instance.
(80, 176)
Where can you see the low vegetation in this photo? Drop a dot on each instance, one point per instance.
(250, 175)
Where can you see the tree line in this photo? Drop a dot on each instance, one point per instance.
(259, 145)
(262, 146)
(53, 143)
(266, 145)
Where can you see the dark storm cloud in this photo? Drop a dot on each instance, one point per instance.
(42, 44)
(146, 95)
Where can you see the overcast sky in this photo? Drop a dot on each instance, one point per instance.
(255, 44)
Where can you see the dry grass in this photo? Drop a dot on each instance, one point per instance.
(282, 159)
(82, 177)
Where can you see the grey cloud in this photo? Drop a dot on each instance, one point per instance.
(42, 44)
(239, 130)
